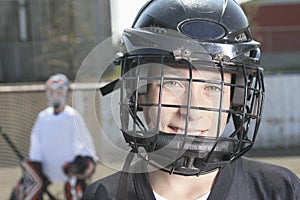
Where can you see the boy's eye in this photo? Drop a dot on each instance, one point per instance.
(174, 87)
(172, 84)
(213, 88)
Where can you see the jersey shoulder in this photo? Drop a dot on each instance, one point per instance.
(259, 168)
(248, 179)
(276, 181)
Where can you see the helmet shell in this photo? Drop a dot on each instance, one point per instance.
(58, 80)
(186, 17)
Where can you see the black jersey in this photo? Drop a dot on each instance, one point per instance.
(242, 179)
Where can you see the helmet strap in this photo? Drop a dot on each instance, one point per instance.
(123, 181)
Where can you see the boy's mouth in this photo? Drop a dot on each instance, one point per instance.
(192, 132)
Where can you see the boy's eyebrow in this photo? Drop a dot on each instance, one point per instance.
(173, 72)
(156, 71)
(168, 71)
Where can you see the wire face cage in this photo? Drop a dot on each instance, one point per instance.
(174, 110)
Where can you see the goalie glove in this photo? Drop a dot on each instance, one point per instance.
(32, 184)
(81, 167)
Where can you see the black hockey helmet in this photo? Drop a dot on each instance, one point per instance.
(196, 35)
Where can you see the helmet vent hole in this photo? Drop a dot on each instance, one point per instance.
(242, 37)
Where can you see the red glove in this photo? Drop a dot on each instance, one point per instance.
(81, 167)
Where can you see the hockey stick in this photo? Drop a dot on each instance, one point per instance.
(19, 155)
(12, 145)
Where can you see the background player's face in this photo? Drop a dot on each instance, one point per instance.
(56, 96)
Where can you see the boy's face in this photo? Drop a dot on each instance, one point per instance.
(175, 92)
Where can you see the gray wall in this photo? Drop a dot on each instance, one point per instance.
(281, 117)
(60, 34)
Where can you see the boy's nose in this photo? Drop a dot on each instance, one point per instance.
(194, 101)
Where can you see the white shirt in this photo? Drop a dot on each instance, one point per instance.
(158, 197)
(57, 139)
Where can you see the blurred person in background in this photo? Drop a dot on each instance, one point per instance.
(61, 147)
